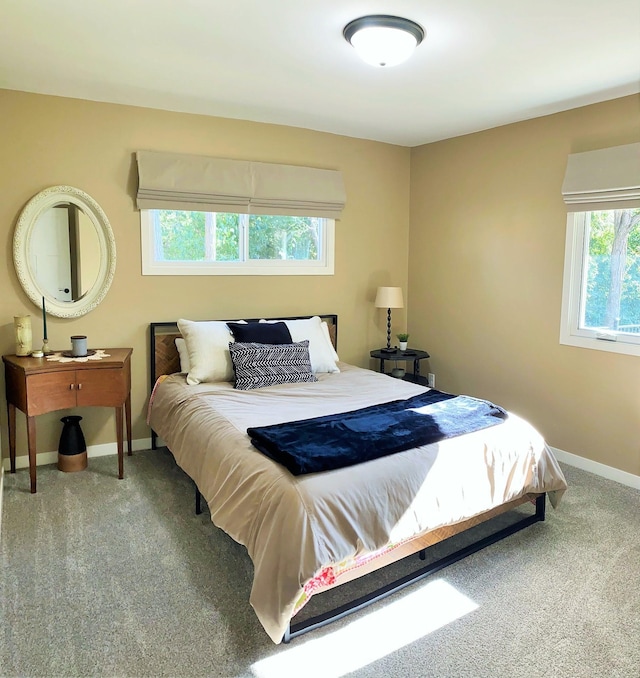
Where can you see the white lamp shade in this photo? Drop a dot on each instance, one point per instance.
(389, 297)
(383, 46)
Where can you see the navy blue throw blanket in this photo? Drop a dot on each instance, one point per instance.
(339, 440)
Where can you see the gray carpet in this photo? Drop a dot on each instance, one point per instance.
(102, 577)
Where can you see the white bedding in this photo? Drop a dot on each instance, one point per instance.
(293, 526)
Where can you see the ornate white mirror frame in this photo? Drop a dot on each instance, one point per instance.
(50, 197)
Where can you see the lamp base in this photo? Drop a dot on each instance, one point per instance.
(388, 350)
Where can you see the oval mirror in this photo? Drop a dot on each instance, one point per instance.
(64, 251)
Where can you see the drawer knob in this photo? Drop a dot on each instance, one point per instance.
(79, 387)
(72, 386)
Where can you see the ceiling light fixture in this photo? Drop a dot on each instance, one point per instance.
(383, 40)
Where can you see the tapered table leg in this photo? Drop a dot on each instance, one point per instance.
(31, 441)
(127, 412)
(11, 411)
(119, 434)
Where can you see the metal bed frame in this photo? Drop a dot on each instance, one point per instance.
(325, 618)
(164, 360)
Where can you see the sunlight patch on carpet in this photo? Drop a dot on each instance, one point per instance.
(371, 636)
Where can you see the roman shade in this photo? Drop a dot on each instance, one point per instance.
(605, 179)
(200, 183)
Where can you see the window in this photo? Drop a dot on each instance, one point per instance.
(601, 295)
(180, 242)
(203, 215)
(601, 292)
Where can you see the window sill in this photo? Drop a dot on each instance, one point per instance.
(601, 345)
(236, 269)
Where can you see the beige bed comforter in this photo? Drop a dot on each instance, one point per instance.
(291, 526)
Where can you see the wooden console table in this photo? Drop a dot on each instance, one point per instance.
(37, 386)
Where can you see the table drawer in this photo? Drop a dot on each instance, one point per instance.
(50, 391)
(106, 388)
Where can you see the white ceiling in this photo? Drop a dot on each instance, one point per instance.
(482, 64)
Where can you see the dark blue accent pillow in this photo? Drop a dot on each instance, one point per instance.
(261, 333)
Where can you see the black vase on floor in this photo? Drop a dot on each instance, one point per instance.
(72, 448)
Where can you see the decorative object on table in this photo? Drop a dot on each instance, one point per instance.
(397, 372)
(389, 297)
(67, 357)
(22, 327)
(403, 338)
(45, 341)
(37, 354)
(70, 354)
(79, 345)
(72, 449)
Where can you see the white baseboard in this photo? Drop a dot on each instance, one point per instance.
(43, 458)
(597, 468)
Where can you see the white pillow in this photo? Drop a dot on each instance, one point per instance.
(325, 329)
(207, 344)
(185, 364)
(321, 351)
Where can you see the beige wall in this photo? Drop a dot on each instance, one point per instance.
(50, 140)
(486, 255)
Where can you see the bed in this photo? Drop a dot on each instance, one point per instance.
(311, 532)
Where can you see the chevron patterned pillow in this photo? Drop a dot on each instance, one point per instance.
(258, 365)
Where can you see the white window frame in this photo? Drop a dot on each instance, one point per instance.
(573, 298)
(324, 266)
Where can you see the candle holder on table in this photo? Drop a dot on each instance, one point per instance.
(45, 342)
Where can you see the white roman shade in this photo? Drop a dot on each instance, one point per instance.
(606, 179)
(200, 183)
(192, 182)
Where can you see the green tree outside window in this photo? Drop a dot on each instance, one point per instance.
(613, 271)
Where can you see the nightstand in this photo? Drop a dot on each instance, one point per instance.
(37, 386)
(410, 355)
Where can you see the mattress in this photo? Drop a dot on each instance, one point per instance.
(295, 527)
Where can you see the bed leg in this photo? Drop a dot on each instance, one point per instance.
(540, 507)
(287, 634)
(198, 506)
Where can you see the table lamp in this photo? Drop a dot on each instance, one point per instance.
(389, 297)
